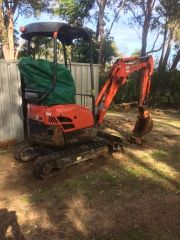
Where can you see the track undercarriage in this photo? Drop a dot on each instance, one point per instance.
(47, 160)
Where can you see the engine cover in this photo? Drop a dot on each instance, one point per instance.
(60, 125)
(70, 117)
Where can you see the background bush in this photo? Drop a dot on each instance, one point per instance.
(165, 89)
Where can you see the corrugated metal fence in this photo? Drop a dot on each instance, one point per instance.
(11, 120)
(11, 116)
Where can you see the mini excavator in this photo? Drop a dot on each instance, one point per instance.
(63, 135)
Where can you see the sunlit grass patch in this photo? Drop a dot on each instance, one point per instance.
(145, 166)
(168, 123)
(159, 160)
(26, 199)
(159, 154)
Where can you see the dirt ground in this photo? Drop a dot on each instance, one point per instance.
(130, 196)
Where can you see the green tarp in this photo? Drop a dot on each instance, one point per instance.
(38, 75)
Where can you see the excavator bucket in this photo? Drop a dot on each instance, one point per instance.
(143, 126)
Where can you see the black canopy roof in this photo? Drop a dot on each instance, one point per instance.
(66, 32)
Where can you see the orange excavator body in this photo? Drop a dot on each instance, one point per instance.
(66, 134)
(118, 75)
(70, 118)
(120, 71)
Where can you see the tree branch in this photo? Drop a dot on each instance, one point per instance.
(176, 60)
(98, 3)
(140, 37)
(156, 19)
(153, 3)
(6, 4)
(115, 17)
(19, 9)
(157, 50)
(134, 14)
(143, 8)
(156, 40)
(10, 4)
(15, 5)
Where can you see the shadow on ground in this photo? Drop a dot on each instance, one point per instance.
(131, 196)
(9, 227)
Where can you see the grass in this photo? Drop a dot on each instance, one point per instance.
(26, 199)
(4, 151)
(159, 154)
(134, 234)
(136, 168)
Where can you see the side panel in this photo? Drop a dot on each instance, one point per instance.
(69, 117)
(60, 125)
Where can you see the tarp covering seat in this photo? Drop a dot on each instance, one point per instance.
(38, 75)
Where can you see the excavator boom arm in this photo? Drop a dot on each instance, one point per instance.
(120, 71)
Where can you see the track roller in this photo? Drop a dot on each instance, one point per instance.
(25, 152)
(45, 165)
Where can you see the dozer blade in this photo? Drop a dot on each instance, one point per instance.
(143, 126)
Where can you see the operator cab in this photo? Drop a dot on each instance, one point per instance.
(56, 34)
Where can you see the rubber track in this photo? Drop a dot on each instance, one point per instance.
(65, 157)
(19, 148)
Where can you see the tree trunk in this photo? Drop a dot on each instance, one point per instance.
(2, 28)
(144, 38)
(164, 61)
(163, 46)
(102, 5)
(1, 19)
(11, 37)
(166, 57)
(146, 26)
(176, 61)
(97, 29)
(8, 37)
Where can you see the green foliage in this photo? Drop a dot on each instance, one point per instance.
(31, 7)
(136, 52)
(42, 47)
(169, 8)
(130, 91)
(165, 90)
(9, 13)
(127, 93)
(81, 52)
(110, 50)
(74, 10)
